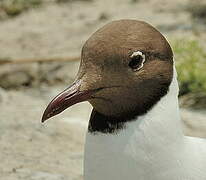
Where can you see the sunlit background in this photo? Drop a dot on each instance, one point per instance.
(40, 46)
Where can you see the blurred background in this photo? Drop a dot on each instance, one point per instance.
(40, 46)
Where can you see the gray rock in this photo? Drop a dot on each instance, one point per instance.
(35, 74)
(14, 75)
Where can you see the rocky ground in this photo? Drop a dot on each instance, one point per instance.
(54, 151)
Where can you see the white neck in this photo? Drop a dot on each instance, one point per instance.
(162, 122)
(149, 140)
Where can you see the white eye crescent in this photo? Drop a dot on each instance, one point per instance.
(137, 60)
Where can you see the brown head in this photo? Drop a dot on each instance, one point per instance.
(126, 67)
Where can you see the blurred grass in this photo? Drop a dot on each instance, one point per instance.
(13, 8)
(191, 68)
(65, 1)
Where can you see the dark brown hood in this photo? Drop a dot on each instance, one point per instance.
(106, 79)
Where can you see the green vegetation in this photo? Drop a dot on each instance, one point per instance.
(191, 67)
(13, 8)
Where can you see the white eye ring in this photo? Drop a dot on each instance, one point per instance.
(139, 53)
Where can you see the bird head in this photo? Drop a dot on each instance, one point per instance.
(126, 67)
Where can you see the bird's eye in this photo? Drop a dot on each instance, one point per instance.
(137, 60)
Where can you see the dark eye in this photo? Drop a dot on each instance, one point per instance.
(136, 60)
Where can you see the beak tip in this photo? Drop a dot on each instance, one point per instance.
(43, 120)
(44, 117)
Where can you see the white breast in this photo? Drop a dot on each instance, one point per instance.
(152, 147)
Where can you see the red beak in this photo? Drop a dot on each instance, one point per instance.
(65, 99)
